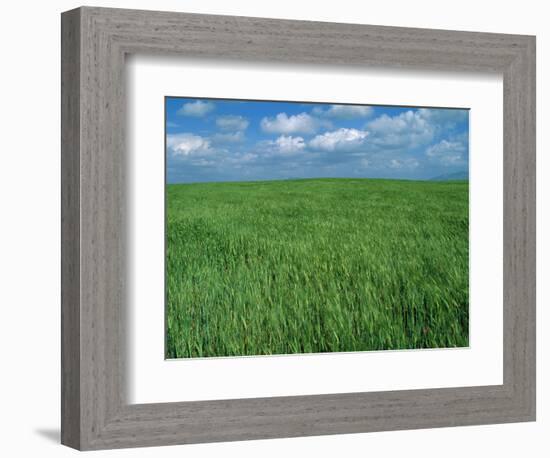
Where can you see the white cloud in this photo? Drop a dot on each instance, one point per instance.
(197, 109)
(284, 124)
(188, 144)
(290, 145)
(344, 111)
(284, 145)
(410, 129)
(232, 123)
(448, 152)
(342, 139)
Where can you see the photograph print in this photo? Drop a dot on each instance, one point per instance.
(296, 228)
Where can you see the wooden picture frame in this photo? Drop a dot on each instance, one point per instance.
(95, 411)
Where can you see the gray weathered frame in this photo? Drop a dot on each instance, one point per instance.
(95, 413)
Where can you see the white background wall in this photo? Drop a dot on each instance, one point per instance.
(30, 245)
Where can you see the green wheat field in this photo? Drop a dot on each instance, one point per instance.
(317, 265)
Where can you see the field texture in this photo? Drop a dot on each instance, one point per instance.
(321, 265)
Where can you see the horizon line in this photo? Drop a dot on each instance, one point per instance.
(433, 179)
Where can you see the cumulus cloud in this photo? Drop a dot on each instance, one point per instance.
(197, 109)
(448, 152)
(410, 128)
(284, 145)
(344, 111)
(204, 152)
(343, 139)
(232, 123)
(290, 145)
(284, 124)
(187, 144)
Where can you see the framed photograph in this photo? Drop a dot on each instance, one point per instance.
(277, 228)
(314, 228)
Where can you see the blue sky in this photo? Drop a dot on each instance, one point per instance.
(237, 140)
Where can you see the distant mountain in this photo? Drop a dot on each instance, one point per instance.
(462, 175)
